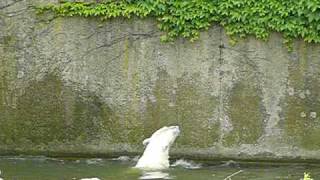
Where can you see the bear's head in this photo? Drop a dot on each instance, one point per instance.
(156, 154)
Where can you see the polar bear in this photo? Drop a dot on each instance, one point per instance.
(156, 154)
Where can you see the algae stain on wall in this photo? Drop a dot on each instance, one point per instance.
(302, 123)
(5, 127)
(39, 114)
(7, 76)
(126, 55)
(161, 107)
(40, 117)
(182, 104)
(131, 76)
(195, 109)
(246, 114)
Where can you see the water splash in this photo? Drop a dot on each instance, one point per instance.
(230, 163)
(122, 158)
(186, 164)
(94, 161)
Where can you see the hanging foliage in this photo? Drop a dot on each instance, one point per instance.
(181, 18)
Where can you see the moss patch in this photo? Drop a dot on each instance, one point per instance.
(50, 113)
(195, 108)
(246, 114)
(159, 112)
(7, 76)
(302, 122)
(185, 105)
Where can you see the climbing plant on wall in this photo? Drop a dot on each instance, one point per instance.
(186, 18)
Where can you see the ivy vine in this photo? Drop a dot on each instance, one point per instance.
(186, 18)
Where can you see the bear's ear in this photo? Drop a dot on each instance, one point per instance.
(146, 141)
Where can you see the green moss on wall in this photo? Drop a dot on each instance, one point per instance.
(182, 104)
(195, 111)
(7, 76)
(246, 115)
(49, 112)
(39, 113)
(112, 126)
(159, 112)
(133, 119)
(302, 123)
(3, 105)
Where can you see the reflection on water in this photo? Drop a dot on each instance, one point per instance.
(155, 175)
(42, 168)
(90, 179)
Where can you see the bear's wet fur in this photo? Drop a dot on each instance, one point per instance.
(156, 153)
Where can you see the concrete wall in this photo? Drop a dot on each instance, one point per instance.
(81, 86)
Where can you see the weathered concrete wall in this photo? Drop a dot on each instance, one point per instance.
(73, 85)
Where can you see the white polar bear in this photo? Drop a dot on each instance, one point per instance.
(156, 154)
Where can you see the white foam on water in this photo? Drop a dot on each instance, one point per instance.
(90, 178)
(32, 158)
(122, 158)
(94, 161)
(230, 163)
(187, 164)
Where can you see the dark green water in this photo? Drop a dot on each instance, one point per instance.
(40, 168)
